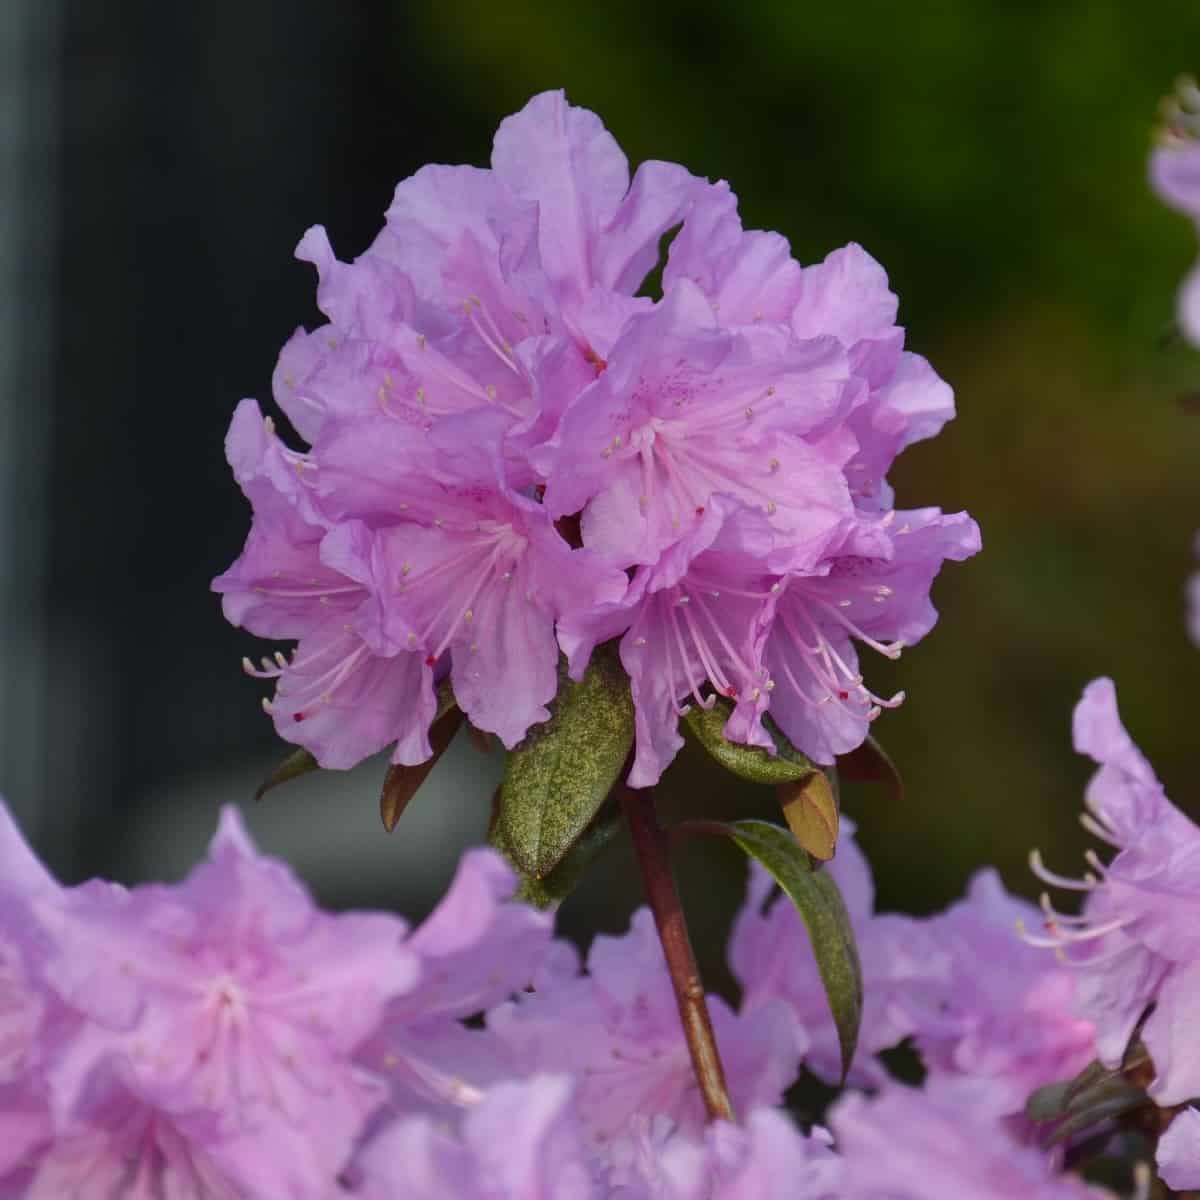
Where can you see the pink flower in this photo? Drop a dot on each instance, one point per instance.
(687, 409)
(943, 1143)
(1175, 176)
(877, 595)
(521, 1142)
(1178, 1152)
(118, 1146)
(477, 948)
(1137, 941)
(487, 371)
(479, 274)
(1002, 1012)
(617, 1031)
(765, 1158)
(408, 550)
(231, 1006)
(695, 620)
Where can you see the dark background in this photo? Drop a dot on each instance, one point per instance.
(164, 158)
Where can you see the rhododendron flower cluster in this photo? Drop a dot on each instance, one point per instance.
(224, 1038)
(513, 449)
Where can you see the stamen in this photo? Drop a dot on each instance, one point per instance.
(1054, 918)
(1071, 937)
(1096, 829)
(1039, 868)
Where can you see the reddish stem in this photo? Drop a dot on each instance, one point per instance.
(651, 841)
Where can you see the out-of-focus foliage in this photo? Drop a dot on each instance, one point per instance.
(992, 156)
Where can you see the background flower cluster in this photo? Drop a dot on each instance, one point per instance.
(223, 1037)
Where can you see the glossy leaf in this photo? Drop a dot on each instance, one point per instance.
(561, 882)
(786, 765)
(819, 903)
(556, 780)
(299, 762)
(810, 809)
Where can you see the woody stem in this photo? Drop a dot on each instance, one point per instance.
(650, 841)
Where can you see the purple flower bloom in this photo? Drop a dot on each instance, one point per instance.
(766, 1158)
(976, 1000)
(696, 619)
(230, 1004)
(520, 1142)
(943, 1142)
(687, 409)
(617, 1031)
(1175, 176)
(488, 371)
(1000, 1011)
(381, 554)
(878, 596)
(118, 1146)
(1137, 941)
(1178, 1151)
(477, 948)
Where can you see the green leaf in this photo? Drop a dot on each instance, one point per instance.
(1049, 1102)
(1095, 1094)
(1112, 1101)
(558, 777)
(820, 905)
(401, 782)
(870, 763)
(299, 762)
(786, 765)
(810, 808)
(562, 881)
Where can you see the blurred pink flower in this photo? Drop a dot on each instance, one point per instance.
(1137, 941)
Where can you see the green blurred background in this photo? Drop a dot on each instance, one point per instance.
(991, 155)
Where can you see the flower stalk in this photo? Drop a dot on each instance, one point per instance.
(651, 841)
